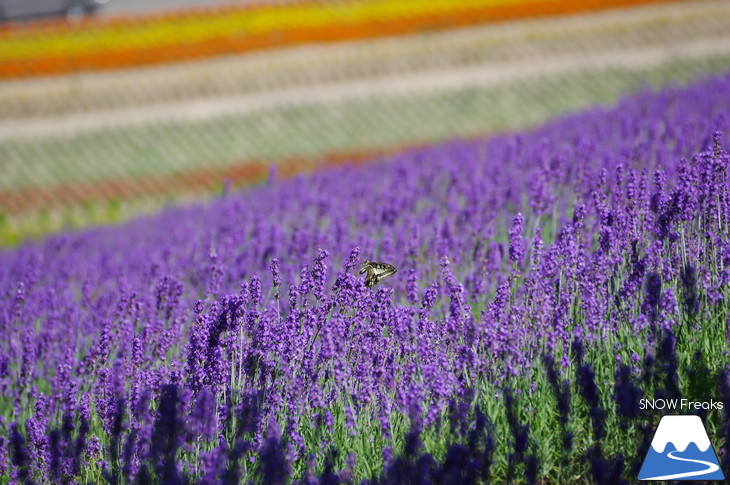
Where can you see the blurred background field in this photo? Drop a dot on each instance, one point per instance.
(561, 253)
(135, 108)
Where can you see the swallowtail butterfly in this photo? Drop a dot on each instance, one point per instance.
(376, 272)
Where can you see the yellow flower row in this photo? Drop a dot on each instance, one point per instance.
(231, 22)
(59, 46)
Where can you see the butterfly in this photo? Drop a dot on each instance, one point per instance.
(376, 272)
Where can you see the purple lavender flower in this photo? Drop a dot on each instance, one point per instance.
(653, 295)
(319, 273)
(275, 469)
(352, 260)
(626, 393)
(691, 301)
(203, 418)
(275, 273)
(516, 239)
(586, 379)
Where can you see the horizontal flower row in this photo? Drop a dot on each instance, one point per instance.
(58, 47)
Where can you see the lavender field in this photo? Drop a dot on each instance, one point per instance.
(547, 281)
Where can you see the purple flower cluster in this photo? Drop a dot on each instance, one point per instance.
(163, 350)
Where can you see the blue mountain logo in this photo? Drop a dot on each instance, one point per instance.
(681, 450)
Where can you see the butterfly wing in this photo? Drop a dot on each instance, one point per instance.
(382, 270)
(376, 272)
(370, 278)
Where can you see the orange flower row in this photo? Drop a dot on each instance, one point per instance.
(195, 180)
(59, 47)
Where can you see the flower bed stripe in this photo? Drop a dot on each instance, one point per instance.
(196, 180)
(57, 48)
